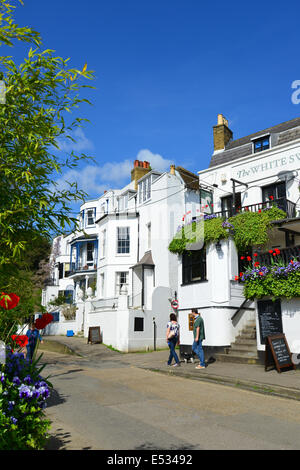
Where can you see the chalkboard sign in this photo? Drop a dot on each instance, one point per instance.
(269, 318)
(278, 353)
(94, 335)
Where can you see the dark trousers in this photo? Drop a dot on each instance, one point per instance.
(172, 343)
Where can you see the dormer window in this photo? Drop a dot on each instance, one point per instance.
(263, 143)
(145, 190)
(90, 216)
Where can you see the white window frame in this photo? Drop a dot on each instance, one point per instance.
(118, 283)
(126, 241)
(93, 210)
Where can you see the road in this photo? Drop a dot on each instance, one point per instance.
(111, 404)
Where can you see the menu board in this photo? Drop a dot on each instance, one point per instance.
(94, 335)
(278, 353)
(269, 318)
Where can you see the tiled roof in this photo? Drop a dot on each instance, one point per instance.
(190, 179)
(235, 149)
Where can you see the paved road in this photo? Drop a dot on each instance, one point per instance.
(111, 404)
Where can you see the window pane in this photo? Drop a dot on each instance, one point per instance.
(123, 244)
(90, 216)
(194, 266)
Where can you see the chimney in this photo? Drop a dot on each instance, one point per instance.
(172, 169)
(222, 133)
(139, 170)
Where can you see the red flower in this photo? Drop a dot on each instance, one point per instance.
(292, 261)
(277, 251)
(271, 198)
(271, 251)
(255, 254)
(9, 301)
(259, 211)
(248, 258)
(241, 274)
(21, 340)
(256, 263)
(242, 257)
(41, 323)
(261, 273)
(48, 318)
(236, 278)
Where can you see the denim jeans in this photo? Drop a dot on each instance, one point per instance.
(172, 343)
(197, 348)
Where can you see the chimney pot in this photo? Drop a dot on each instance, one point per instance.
(222, 133)
(172, 169)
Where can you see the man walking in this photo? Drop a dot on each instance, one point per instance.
(199, 336)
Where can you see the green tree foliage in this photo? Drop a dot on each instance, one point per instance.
(40, 92)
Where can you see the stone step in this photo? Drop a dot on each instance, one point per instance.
(237, 358)
(243, 347)
(247, 335)
(245, 343)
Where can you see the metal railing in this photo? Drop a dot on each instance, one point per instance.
(282, 203)
(285, 255)
(78, 268)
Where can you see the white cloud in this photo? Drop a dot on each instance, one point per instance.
(157, 162)
(111, 175)
(81, 144)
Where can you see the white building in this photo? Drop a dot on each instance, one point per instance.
(118, 263)
(247, 174)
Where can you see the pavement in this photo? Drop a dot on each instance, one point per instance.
(251, 377)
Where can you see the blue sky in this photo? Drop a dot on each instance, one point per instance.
(164, 70)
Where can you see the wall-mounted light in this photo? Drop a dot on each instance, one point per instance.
(218, 247)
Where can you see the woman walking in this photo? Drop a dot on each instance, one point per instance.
(172, 339)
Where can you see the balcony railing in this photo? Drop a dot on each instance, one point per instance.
(282, 203)
(79, 268)
(285, 256)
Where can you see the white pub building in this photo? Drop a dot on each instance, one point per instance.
(249, 173)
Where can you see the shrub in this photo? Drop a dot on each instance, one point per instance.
(23, 395)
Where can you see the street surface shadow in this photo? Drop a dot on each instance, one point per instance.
(60, 440)
(66, 373)
(151, 446)
(55, 399)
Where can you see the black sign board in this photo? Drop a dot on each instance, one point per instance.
(94, 335)
(269, 318)
(278, 353)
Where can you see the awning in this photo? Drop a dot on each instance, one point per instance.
(145, 261)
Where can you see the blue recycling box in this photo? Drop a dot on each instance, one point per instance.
(70, 333)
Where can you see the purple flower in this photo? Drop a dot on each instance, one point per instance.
(10, 405)
(210, 216)
(227, 225)
(25, 391)
(16, 381)
(13, 420)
